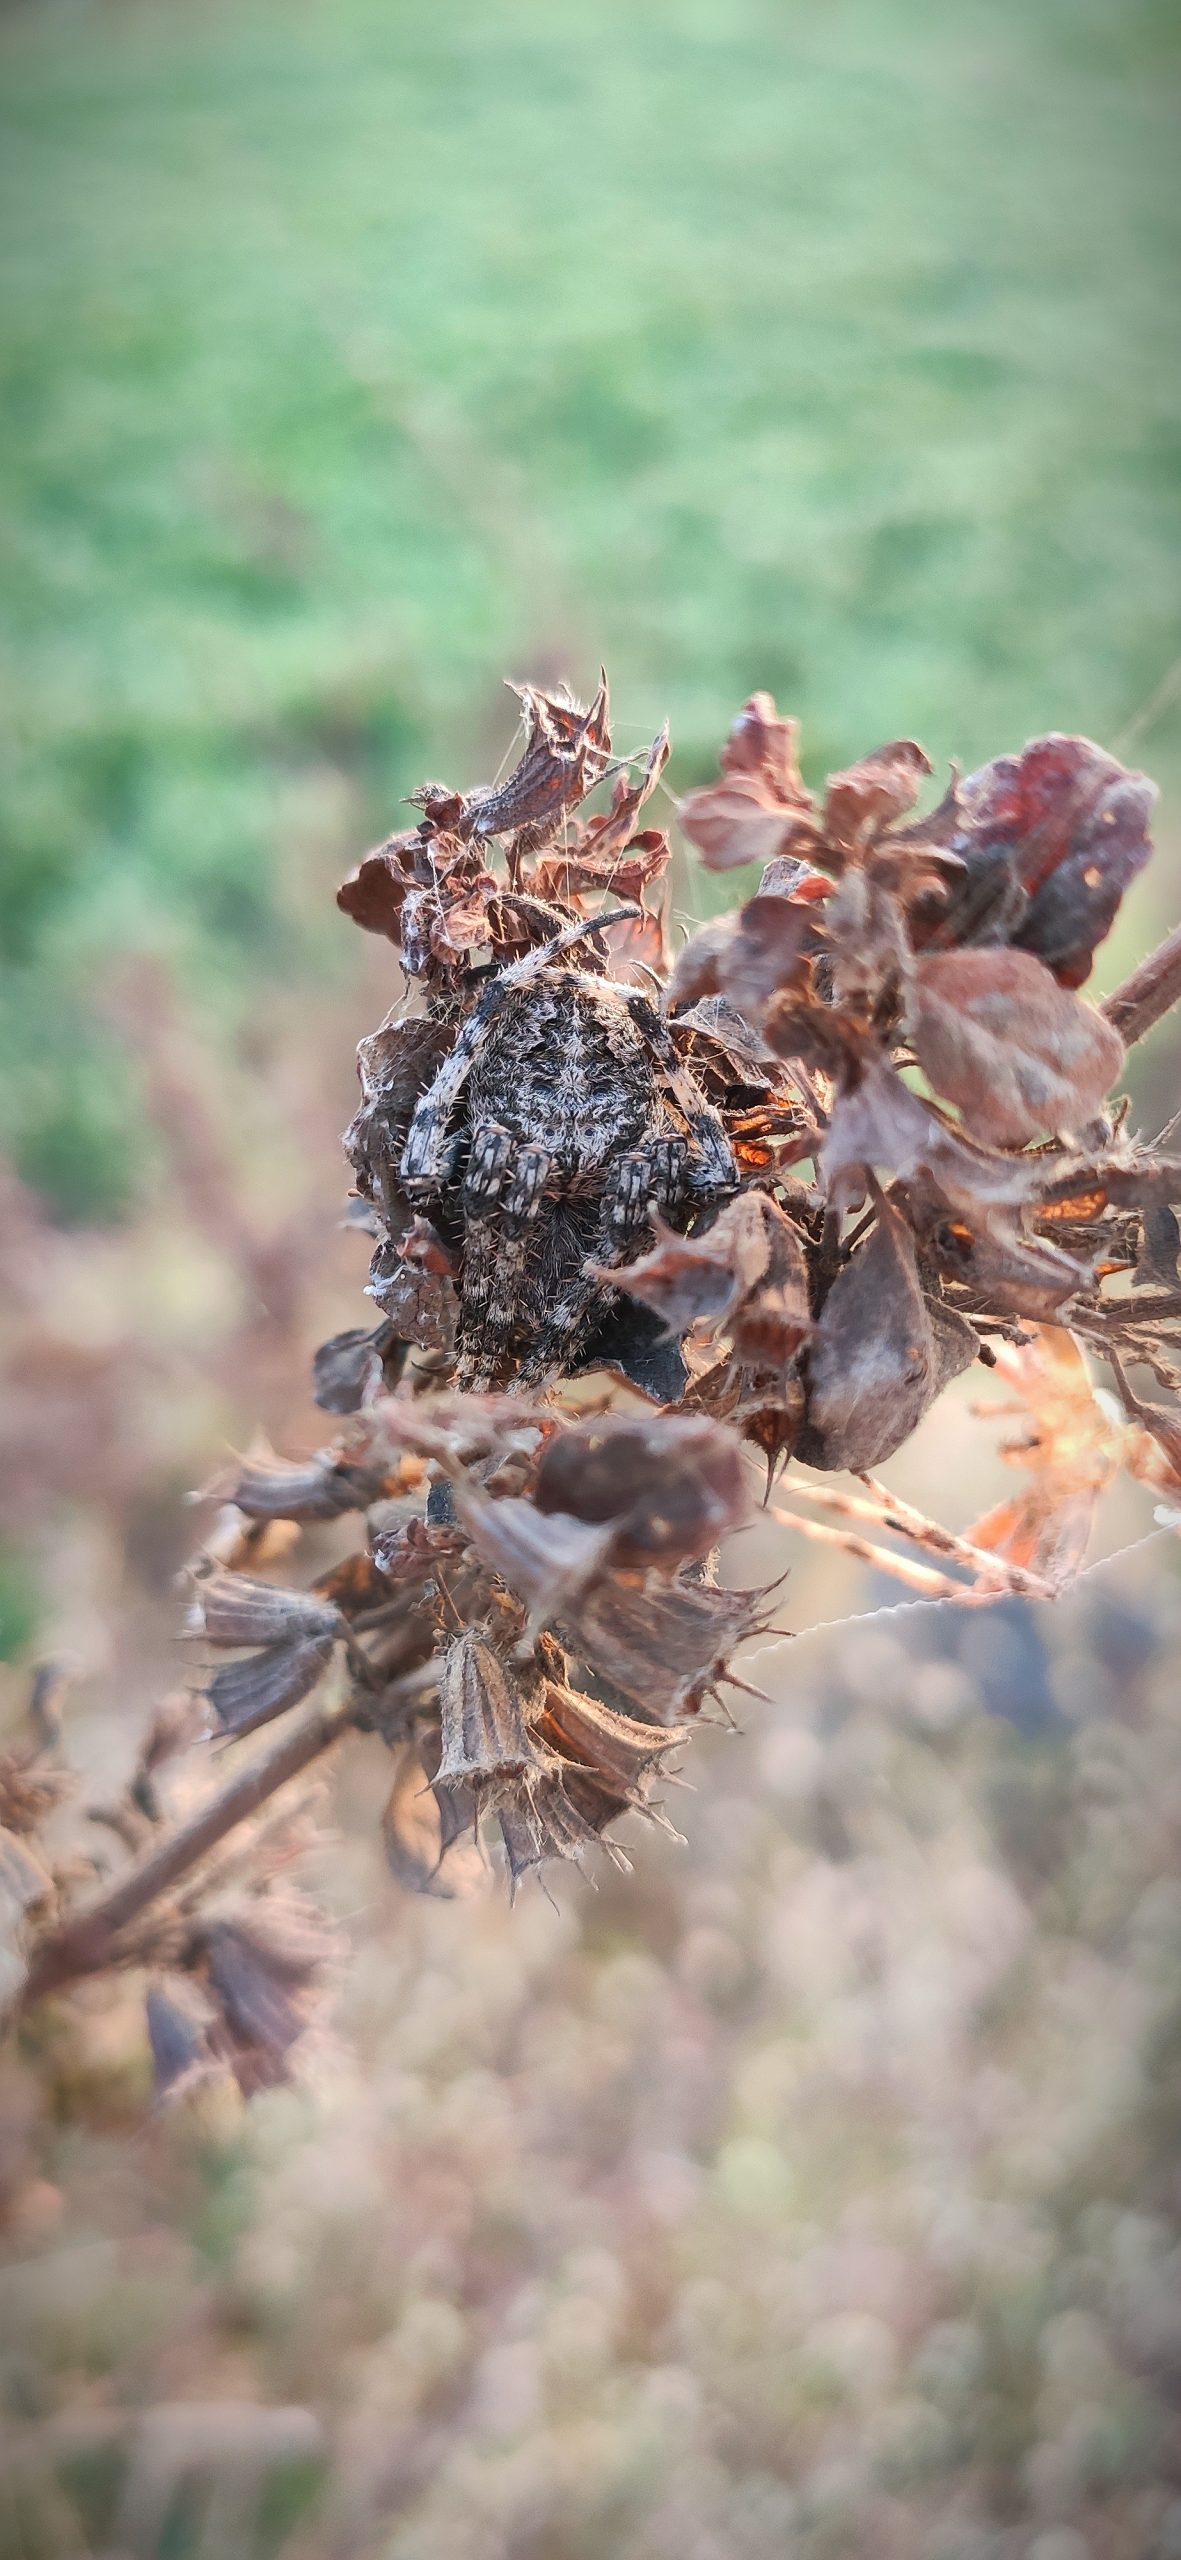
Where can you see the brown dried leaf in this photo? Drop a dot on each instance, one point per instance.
(734, 822)
(1006, 1270)
(1072, 1451)
(880, 1355)
(1050, 840)
(862, 802)
(746, 1272)
(1018, 1055)
(763, 745)
(375, 893)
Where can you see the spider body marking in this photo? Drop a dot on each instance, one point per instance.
(560, 1119)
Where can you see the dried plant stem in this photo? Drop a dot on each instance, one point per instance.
(882, 1509)
(1150, 991)
(905, 1569)
(87, 1940)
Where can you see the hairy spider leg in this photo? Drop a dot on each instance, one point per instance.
(714, 1169)
(496, 1256)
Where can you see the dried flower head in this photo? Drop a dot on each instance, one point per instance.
(630, 1221)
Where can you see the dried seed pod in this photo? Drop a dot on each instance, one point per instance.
(670, 1488)
(348, 1370)
(230, 1610)
(622, 1753)
(319, 1488)
(549, 1560)
(485, 1714)
(880, 1355)
(430, 1836)
(266, 1964)
(178, 2023)
(664, 1645)
(248, 1693)
(547, 1824)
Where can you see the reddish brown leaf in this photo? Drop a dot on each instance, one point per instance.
(375, 893)
(862, 802)
(733, 822)
(1017, 1054)
(745, 1273)
(764, 745)
(1051, 839)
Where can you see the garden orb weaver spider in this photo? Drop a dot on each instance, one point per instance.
(559, 1122)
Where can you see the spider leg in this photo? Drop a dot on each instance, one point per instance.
(488, 1159)
(650, 1176)
(711, 1165)
(429, 1153)
(509, 1180)
(524, 1191)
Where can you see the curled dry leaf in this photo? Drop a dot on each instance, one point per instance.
(879, 1356)
(746, 1273)
(1019, 1056)
(860, 803)
(566, 751)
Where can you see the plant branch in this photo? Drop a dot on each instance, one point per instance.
(87, 1940)
(1149, 992)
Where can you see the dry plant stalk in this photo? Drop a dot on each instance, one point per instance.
(633, 1219)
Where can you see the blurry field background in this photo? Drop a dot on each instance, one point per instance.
(816, 2190)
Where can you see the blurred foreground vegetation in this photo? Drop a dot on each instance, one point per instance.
(811, 2194)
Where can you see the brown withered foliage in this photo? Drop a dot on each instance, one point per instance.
(637, 1224)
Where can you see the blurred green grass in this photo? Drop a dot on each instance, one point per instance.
(356, 355)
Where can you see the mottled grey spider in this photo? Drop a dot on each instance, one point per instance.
(560, 1120)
